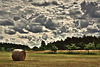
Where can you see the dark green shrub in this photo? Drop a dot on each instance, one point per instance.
(72, 47)
(2, 49)
(54, 49)
(90, 46)
(98, 46)
(42, 48)
(9, 49)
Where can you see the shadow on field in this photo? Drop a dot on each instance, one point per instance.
(25, 61)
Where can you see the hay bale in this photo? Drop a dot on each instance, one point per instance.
(18, 55)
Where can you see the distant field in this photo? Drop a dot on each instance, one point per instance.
(34, 59)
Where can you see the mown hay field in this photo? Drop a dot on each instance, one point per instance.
(36, 59)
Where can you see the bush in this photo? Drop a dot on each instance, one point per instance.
(2, 49)
(81, 45)
(54, 49)
(64, 47)
(90, 46)
(9, 49)
(98, 46)
(72, 47)
(42, 48)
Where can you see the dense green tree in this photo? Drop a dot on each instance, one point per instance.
(42, 48)
(98, 46)
(81, 45)
(72, 47)
(68, 48)
(35, 48)
(54, 49)
(90, 46)
(49, 46)
(43, 44)
(64, 47)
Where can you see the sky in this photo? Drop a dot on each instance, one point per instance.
(28, 22)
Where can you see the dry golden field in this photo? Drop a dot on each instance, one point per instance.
(38, 59)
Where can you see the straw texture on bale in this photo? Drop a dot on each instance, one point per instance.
(18, 55)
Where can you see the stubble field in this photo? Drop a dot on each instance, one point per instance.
(37, 59)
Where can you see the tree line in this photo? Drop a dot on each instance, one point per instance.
(11, 46)
(78, 41)
(74, 43)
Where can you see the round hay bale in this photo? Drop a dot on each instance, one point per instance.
(18, 55)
